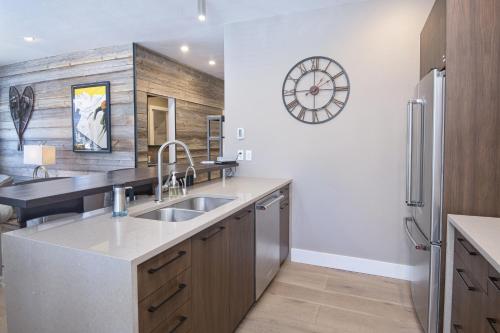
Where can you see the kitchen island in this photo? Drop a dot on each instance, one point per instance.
(83, 274)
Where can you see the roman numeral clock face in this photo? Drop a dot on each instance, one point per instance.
(315, 90)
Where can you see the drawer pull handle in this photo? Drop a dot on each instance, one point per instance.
(463, 276)
(181, 321)
(156, 269)
(493, 324)
(213, 234)
(457, 328)
(243, 215)
(494, 281)
(284, 206)
(467, 246)
(153, 308)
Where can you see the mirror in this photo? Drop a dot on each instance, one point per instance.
(158, 113)
(161, 125)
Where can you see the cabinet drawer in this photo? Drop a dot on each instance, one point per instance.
(179, 322)
(163, 303)
(155, 272)
(467, 298)
(493, 300)
(475, 265)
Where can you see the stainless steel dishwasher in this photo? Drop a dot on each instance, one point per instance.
(267, 241)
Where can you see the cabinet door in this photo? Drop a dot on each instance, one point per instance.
(241, 228)
(492, 308)
(209, 269)
(433, 40)
(467, 300)
(284, 229)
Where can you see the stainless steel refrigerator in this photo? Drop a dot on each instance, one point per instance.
(424, 183)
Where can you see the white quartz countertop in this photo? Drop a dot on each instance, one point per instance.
(136, 240)
(483, 233)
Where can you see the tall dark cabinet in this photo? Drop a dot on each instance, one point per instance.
(463, 37)
(433, 40)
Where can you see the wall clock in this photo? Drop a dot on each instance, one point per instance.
(316, 90)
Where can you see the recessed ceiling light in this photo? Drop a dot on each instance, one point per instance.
(184, 48)
(29, 39)
(202, 10)
(211, 62)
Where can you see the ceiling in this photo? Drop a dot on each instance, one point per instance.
(62, 26)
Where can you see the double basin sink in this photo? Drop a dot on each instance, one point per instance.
(185, 210)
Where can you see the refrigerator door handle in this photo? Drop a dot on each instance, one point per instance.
(409, 157)
(418, 246)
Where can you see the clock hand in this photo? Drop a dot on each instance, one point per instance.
(323, 83)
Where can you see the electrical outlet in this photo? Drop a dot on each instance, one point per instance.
(248, 155)
(240, 155)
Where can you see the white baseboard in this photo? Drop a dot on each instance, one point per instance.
(353, 264)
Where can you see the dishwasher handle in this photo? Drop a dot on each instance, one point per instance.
(266, 205)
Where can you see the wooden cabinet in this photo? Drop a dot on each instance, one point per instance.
(210, 278)
(492, 308)
(241, 264)
(466, 33)
(476, 291)
(203, 285)
(164, 291)
(433, 40)
(284, 224)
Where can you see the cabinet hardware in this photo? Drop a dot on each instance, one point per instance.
(270, 203)
(463, 276)
(213, 234)
(153, 308)
(156, 269)
(409, 152)
(181, 321)
(457, 328)
(494, 281)
(284, 206)
(493, 324)
(243, 215)
(465, 245)
(417, 246)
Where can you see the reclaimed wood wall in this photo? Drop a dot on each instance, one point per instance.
(51, 79)
(197, 95)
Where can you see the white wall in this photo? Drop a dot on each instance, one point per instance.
(348, 173)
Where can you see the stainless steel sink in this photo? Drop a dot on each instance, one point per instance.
(204, 204)
(185, 210)
(169, 214)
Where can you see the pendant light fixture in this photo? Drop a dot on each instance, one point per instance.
(202, 10)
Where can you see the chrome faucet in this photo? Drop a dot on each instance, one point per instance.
(184, 183)
(160, 187)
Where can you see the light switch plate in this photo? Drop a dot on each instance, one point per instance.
(240, 133)
(241, 156)
(248, 155)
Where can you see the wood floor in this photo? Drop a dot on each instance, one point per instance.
(306, 298)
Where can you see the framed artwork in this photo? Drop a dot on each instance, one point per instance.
(91, 117)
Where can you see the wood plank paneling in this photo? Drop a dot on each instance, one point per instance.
(198, 94)
(51, 79)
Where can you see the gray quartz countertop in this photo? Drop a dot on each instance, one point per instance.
(483, 233)
(136, 240)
